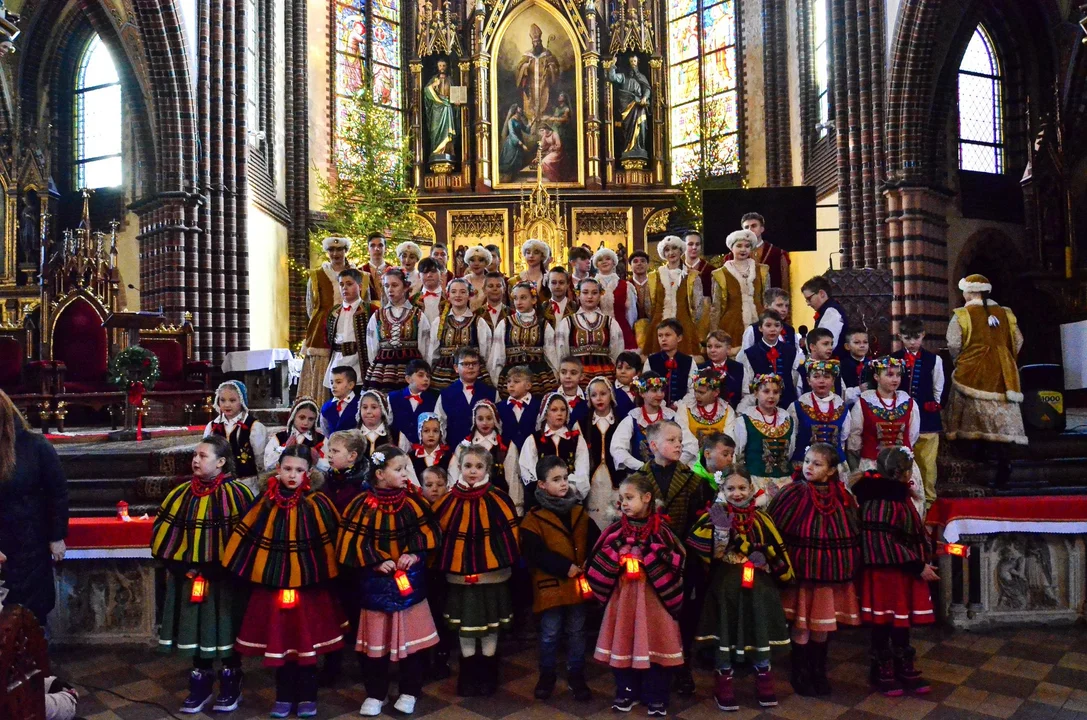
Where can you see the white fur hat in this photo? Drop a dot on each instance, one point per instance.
(666, 242)
(975, 283)
(335, 242)
(539, 245)
(408, 246)
(738, 235)
(605, 252)
(479, 250)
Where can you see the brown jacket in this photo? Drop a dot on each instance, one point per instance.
(550, 547)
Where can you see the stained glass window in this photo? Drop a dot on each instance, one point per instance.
(821, 64)
(981, 116)
(703, 85)
(368, 43)
(97, 124)
(252, 73)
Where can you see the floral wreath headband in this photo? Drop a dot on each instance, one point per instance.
(831, 367)
(646, 384)
(530, 286)
(765, 379)
(885, 363)
(709, 380)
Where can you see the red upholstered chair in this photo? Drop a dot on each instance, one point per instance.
(182, 380)
(27, 383)
(79, 346)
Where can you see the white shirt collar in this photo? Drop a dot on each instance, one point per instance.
(379, 431)
(599, 420)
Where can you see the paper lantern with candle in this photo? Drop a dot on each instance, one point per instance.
(583, 588)
(288, 599)
(748, 580)
(199, 589)
(632, 566)
(402, 583)
(471, 579)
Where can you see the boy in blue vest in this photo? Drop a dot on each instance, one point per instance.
(779, 301)
(770, 356)
(923, 380)
(417, 398)
(678, 369)
(519, 411)
(455, 403)
(819, 415)
(829, 313)
(855, 372)
(820, 344)
(627, 367)
(340, 413)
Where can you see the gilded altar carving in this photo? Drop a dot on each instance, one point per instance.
(657, 221)
(481, 225)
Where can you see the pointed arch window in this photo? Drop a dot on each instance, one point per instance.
(821, 61)
(703, 88)
(981, 101)
(98, 118)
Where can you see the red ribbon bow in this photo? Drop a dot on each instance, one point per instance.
(431, 293)
(911, 359)
(671, 364)
(516, 403)
(772, 355)
(339, 405)
(347, 306)
(468, 389)
(416, 398)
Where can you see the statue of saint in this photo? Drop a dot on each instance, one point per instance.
(29, 230)
(632, 92)
(537, 72)
(441, 115)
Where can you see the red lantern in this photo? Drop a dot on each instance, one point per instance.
(199, 589)
(471, 579)
(748, 580)
(956, 550)
(288, 599)
(632, 567)
(122, 510)
(583, 588)
(402, 583)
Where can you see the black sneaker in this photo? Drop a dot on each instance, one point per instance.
(684, 682)
(576, 680)
(656, 710)
(623, 703)
(230, 690)
(545, 685)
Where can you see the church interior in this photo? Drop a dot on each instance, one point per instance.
(173, 170)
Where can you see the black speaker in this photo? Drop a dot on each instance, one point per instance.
(1043, 397)
(789, 213)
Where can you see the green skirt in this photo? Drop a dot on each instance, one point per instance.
(203, 629)
(478, 610)
(741, 624)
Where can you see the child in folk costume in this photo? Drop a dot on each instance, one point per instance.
(829, 313)
(765, 435)
(718, 352)
(779, 301)
(855, 366)
(629, 447)
(738, 286)
(322, 294)
(742, 619)
(345, 325)
(670, 300)
(478, 552)
(562, 303)
(894, 580)
(923, 380)
(676, 367)
(455, 403)
(430, 297)
(430, 451)
(246, 435)
(581, 261)
(520, 410)
(704, 411)
(494, 308)
(886, 417)
(409, 254)
(984, 339)
(636, 568)
(478, 258)
(598, 426)
(627, 368)
(457, 327)
(772, 356)
(590, 335)
(638, 262)
(341, 412)
(418, 397)
(435, 486)
(376, 427)
(524, 338)
(820, 346)
(286, 547)
(820, 415)
(618, 298)
(571, 373)
(204, 604)
(818, 519)
(396, 334)
(555, 540)
(301, 430)
(718, 454)
(486, 433)
(536, 254)
(373, 269)
(552, 437)
(387, 533)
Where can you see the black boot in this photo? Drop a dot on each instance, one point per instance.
(576, 680)
(439, 665)
(201, 684)
(882, 673)
(488, 675)
(545, 685)
(230, 690)
(330, 671)
(307, 692)
(684, 682)
(286, 691)
(906, 673)
(818, 656)
(801, 671)
(468, 676)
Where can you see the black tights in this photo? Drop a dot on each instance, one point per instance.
(233, 661)
(885, 635)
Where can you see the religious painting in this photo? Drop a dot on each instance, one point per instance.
(536, 99)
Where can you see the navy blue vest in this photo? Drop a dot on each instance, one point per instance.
(788, 332)
(839, 349)
(515, 431)
(623, 403)
(677, 387)
(756, 356)
(334, 421)
(457, 411)
(733, 389)
(918, 385)
(812, 430)
(852, 375)
(405, 419)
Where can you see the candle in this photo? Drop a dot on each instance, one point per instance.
(957, 550)
(583, 588)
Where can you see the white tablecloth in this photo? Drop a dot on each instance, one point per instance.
(245, 360)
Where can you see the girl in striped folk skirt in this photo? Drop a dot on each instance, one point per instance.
(397, 334)
(285, 546)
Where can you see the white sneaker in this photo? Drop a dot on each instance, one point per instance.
(405, 704)
(371, 707)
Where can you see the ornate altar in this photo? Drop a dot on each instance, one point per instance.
(513, 103)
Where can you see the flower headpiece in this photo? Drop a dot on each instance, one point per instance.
(883, 363)
(527, 285)
(763, 379)
(707, 378)
(646, 384)
(832, 367)
(377, 458)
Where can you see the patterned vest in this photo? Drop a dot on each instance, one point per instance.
(599, 445)
(245, 457)
(567, 449)
(813, 426)
(454, 333)
(917, 383)
(590, 340)
(395, 335)
(701, 427)
(524, 343)
(767, 451)
(885, 427)
(340, 421)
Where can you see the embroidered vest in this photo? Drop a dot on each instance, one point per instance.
(454, 333)
(760, 364)
(524, 343)
(420, 463)
(567, 449)
(885, 427)
(360, 320)
(393, 334)
(675, 380)
(813, 426)
(767, 450)
(599, 445)
(701, 427)
(588, 339)
(245, 457)
(917, 383)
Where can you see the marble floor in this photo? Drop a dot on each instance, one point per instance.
(1019, 674)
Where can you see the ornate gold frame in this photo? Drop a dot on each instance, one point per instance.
(576, 214)
(579, 52)
(503, 241)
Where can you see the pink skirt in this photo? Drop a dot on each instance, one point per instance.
(891, 597)
(637, 631)
(312, 627)
(397, 634)
(820, 607)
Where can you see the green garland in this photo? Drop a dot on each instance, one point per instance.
(134, 365)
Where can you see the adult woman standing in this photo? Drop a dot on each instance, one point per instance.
(984, 339)
(33, 512)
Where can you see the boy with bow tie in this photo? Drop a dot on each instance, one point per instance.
(340, 412)
(494, 307)
(855, 373)
(430, 295)
(771, 356)
(923, 380)
(346, 324)
(455, 403)
(627, 366)
(677, 368)
(414, 400)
